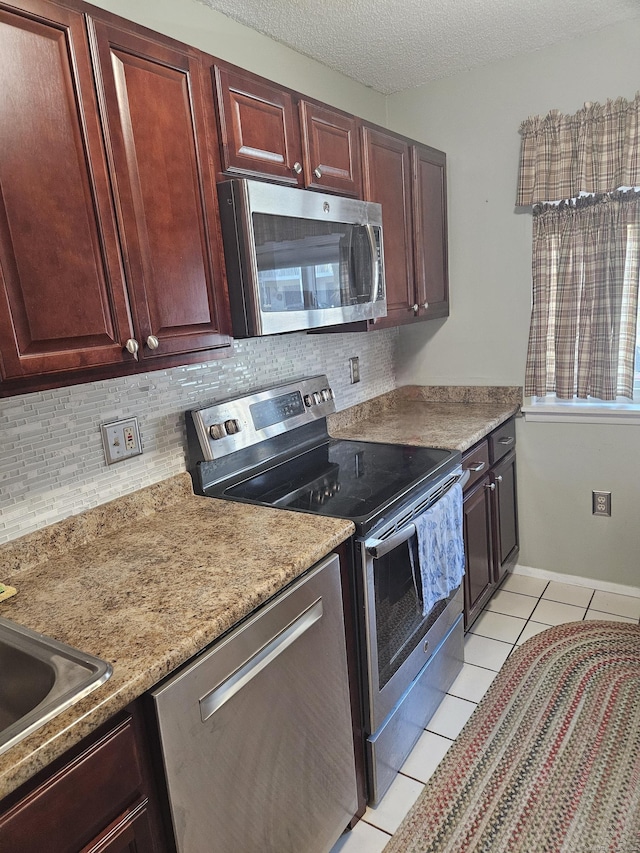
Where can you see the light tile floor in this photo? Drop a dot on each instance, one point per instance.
(522, 607)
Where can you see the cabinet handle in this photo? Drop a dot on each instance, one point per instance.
(477, 467)
(132, 346)
(153, 342)
(491, 486)
(297, 167)
(317, 172)
(507, 439)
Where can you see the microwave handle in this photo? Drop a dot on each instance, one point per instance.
(374, 263)
(379, 547)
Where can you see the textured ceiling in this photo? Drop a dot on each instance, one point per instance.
(393, 45)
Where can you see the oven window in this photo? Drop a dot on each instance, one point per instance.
(400, 624)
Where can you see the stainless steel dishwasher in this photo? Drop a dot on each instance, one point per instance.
(256, 732)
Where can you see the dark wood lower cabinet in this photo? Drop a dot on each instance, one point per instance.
(98, 797)
(490, 511)
(504, 476)
(130, 833)
(479, 577)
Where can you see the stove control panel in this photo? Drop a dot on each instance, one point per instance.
(244, 421)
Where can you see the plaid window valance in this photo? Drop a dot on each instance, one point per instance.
(596, 150)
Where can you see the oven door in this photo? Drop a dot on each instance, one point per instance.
(399, 639)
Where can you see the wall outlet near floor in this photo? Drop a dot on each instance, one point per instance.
(354, 366)
(121, 440)
(601, 503)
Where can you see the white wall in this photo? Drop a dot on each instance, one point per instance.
(475, 118)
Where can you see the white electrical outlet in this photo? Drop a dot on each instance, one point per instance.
(121, 440)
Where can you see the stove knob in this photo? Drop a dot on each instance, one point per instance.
(308, 401)
(232, 426)
(217, 431)
(316, 397)
(325, 394)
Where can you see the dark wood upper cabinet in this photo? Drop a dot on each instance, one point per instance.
(151, 99)
(409, 180)
(109, 240)
(430, 231)
(387, 180)
(270, 132)
(331, 149)
(62, 295)
(259, 132)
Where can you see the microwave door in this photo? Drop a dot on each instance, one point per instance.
(362, 266)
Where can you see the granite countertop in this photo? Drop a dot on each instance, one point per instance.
(451, 417)
(146, 582)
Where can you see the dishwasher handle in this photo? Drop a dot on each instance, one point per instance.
(214, 700)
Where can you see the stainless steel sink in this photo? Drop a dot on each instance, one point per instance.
(39, 678)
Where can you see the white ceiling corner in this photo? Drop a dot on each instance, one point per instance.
(400, 44)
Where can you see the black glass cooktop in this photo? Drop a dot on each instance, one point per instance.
(347, 479)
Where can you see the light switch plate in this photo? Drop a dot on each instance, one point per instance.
(121, 440)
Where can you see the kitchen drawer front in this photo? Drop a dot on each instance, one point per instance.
(68, 810)
(476, 462)
(502, 440)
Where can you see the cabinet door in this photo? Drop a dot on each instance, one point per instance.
(62, 296)
(387, 180)
(430, 231)
(153, 114)
(130, 833)
(259, 129)
(506, 527)
(479, 576)
(331, 149)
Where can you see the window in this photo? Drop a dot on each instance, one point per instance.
(584, 343)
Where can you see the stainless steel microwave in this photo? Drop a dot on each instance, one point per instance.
(298, 259)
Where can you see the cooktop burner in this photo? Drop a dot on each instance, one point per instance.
(346, 479)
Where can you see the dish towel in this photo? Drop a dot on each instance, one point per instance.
(440, 548)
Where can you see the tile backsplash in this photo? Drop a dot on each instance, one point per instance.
(51, 456)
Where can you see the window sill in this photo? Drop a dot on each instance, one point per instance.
(583, 411)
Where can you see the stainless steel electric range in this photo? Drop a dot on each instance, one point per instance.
(272, 448)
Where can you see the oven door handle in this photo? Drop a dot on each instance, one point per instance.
(379, 547)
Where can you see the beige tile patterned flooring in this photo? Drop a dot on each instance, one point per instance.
(521, 608)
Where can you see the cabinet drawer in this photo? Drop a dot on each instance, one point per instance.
(502, 440)
(69, 809)
(476, 462)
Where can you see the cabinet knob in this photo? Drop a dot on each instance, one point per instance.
(132, 346)
(317, 172)
(415, 308)
(425, 305)
(153, 342)
(297, 167)
(499, 478)
(491, 486)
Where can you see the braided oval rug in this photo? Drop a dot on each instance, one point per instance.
(549, 762)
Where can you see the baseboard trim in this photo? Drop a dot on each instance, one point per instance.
(603, 586)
